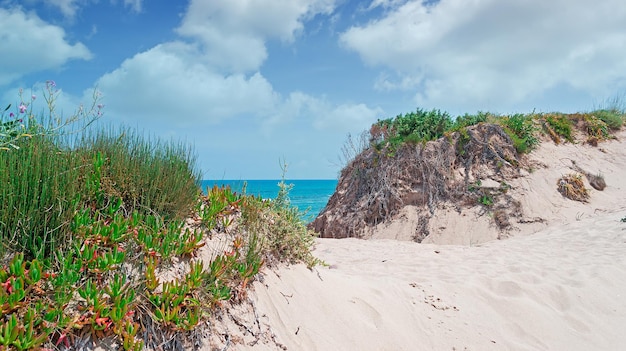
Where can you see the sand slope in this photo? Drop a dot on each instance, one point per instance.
(541, 205)
(563, 288)
(557, 282)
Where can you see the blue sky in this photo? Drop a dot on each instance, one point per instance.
(250, 82)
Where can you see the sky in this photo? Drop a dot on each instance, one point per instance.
(252, 83)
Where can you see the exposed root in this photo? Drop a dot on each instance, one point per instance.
(379, 182)
(572, 187)
(596, 181)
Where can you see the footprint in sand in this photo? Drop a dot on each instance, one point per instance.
(370, 312)
(559, 299)
(508, 288)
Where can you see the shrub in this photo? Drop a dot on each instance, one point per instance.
(464, 139)
(521, 130)
(561, 125)
(572, 187)
(425, 125)
(612, 118)
(596, 127)
(282, 233)
(414, 127)
(413, 139)
(469, 120)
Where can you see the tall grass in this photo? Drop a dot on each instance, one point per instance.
(613, 118)
(46, 180)
(149, 175)
(37, 187)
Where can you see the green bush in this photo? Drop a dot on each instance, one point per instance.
(414, 127)
(282, 233)
(596, 127)
(521, 130)
(561, 125)
(469, 120)
(424, 125)
(613, 118)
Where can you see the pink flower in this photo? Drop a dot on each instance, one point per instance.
(33, 97)
(22, 108)
(11, 114)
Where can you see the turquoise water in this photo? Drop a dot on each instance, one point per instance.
(308, 195)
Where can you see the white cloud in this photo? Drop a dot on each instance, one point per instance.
(469, 53)
(385, 3)
(169, 84)
(233, 33)
(135, 5)
(385, 82)
(220, 102)
(238, 121)
(29, 45)
(67, 7)
(321, 114)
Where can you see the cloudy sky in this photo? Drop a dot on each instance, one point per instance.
(250, 82)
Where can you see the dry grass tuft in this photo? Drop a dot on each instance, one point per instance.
(501, 218)
(593, 141)
(572, 187)
(596, 181)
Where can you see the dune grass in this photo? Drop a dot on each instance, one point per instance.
(146, 173)
(523, 129)
(88, 221)
(45, 181)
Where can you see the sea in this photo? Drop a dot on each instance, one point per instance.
(309, 196)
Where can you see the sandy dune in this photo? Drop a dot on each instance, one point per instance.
(560, 289)
(542, 206)
(556, 282)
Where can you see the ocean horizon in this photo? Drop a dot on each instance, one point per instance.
(310, 196)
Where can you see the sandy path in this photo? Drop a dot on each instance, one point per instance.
(563, 288)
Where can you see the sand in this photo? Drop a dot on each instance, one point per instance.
(560, 289)
(542, 206)
(557, 283)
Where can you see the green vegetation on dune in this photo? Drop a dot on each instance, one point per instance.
(425, 161)
(90, 219)
(422, 126)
